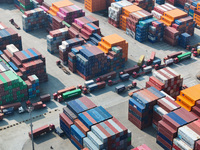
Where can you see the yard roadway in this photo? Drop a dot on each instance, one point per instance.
(116, 104)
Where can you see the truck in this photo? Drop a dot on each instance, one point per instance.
(8, 111)
(21, 110)
(58, 63)
(122, 88)
(71, 94)
(108, 76)
(59, 132)
(181, 57)
(44, 129)
(38, 105)
(15, 105)
(45, 98)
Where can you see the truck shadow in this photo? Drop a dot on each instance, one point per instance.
(44, 137)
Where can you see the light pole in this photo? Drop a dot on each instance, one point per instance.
(30, 109)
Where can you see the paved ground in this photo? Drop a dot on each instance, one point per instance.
(116, 104)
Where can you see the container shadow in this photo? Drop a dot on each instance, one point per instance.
(44, 137)
(39, 33)
(151, 131)
(6, 6)
(3, 123)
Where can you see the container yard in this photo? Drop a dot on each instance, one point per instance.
(104, 74)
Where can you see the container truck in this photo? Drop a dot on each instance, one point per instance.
(107, 76)
(38, 105)
(45, 98)
(122, 88)
(8, 111)
(15, 105)
(44, 129)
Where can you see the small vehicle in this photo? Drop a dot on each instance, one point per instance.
(59, 132)
(21, 110)
(58, 63)
(13, 23)
(8, 111)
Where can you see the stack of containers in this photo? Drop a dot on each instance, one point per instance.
(133, 21)
(30, 62)
(84, 27)
(33, 86)
(35, 4)
(55, 38)
(13, 88)
(25, 5)
(115, 10)
(147, 5)
(6, 1)
(108, 42)
(189, 99)
(156, 31)
(91, 62)
(142, 29)
(66, 47)
(57, 5)
(159, 10)
(196, 17)
(125, 13)
(93, 127)
(141, 106)
(69, 13)
(34, 19)
(164, 106)
(95, 5)
(72, 62)
(184, 40)
(188, 136)
(170, 124)
(9, 36)
(171, 36)
(167, 80)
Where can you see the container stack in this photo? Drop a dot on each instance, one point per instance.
(115, 10)
(133, 21)
(66, 47)
(13, 88)
(6, 1)
(25, 5)
(84, 27)
(108, 42)
(9, 36)
(142, 29)
(55, 38)
(147, 5)
(72, 62)
(167, 80)
(34, 19)
(184, 40)
(164, 106)
(95, 5)
(141, 106)
(125, 13)
(156, 31)
(171, 36)
(188, 98)
(33, 86)
(170, 126)
(85, 129)
(197, 16)
(30, 62)
(91, 62)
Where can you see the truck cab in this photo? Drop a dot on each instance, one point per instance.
(21, 110)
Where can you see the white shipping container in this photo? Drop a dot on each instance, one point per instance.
(160, 77)
(188, 136)
(12, 49)
(96, 141)
(178, 142)
(89, 82)
(88, 143)
(169, 103)
(116, 127)
(167, 95)
(174, 72)
(99, 134)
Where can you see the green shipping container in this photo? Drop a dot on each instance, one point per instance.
(73, 93)
(27, 6)
(65, 23)
(184, 56)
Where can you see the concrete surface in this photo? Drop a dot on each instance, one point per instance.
(116, 104)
